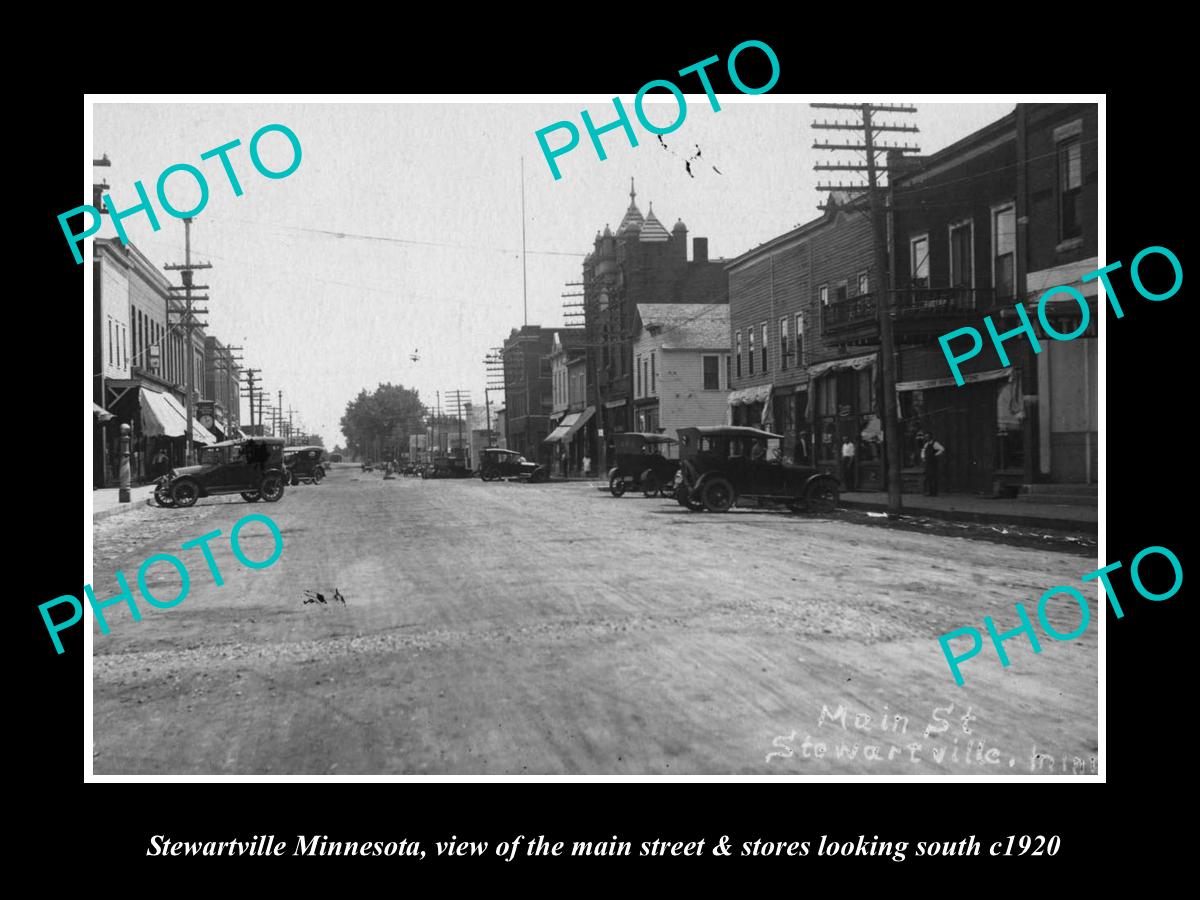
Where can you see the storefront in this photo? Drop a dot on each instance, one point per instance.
(157, 423)
(844, 403)
(979, 424)
(574, 435)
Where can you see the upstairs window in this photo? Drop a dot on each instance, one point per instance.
(1004, 250)
(799, 339)
(1070, 185)
(962, 270)
(712, 373)
(763, 327)
(750, 355)
(737, 354)
(783, 344)
(919, 261)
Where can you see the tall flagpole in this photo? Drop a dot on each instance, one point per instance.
(524, 276)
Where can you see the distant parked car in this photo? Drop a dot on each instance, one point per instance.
(252, 467)
(641, 465)
(495, 464)
(304, 464)
(449, 467)
(724, 465)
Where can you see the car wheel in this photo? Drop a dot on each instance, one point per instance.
(271, 488)
(650, 485)
(251, 496)
(185, 493)
(162, 496)
(318, 475)
(822, 497)
(616, 485)
(718, 495)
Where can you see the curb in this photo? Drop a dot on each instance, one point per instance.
(985, 518)
(123, 507)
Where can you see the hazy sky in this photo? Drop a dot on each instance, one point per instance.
(324, 316)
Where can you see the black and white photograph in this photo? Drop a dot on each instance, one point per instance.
(691, 434)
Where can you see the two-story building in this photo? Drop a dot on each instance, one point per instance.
(572, 416)
(141, 376)
(1057, 237)
(680, 365)
(793, 371)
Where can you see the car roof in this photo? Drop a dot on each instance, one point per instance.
(298, 449)
(730, 431)
(233, 442)
(500, 450)
(648, 437)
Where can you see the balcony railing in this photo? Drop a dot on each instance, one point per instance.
(907, 303)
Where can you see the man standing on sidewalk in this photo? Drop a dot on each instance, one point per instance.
(848, 451)
(931, 452)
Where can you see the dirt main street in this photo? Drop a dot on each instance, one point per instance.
(533, 629)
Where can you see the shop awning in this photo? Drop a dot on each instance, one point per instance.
(1070, 274)
(929, 383)
(746, 396)
(162, 414)
(854, 362)
(569, 425)
(101, 413)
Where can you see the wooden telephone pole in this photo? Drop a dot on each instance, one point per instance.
(869, 129)
(250, 392)
(188, 321)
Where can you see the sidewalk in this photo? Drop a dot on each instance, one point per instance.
(974, 508)
(105, 502)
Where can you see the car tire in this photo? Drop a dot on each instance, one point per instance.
(318, 475)
(271, 488)
(821, 497)
(650, 485)
(616, 485)
(185, 493)
(718, 495)
(162, 496)
(251, 496)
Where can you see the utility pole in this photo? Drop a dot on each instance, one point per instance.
(189, 322)
(496, 382)
(869, 130)
(250, 379)
(460, 399)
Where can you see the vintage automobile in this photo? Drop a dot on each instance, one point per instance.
(640, 464)
(449, 467)
(724, 465)
(304, 464)
(496, 463)
(252, 467)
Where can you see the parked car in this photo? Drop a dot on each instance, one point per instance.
(450, 467)
(724, 465)
(640, 464)
(495, 464)
(252, 467)
(304, 464)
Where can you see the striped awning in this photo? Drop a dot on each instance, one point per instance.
(163, 414)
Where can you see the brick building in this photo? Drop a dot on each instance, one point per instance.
(991, 220)
(222, 386)
(641, 263)
(528, 390)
